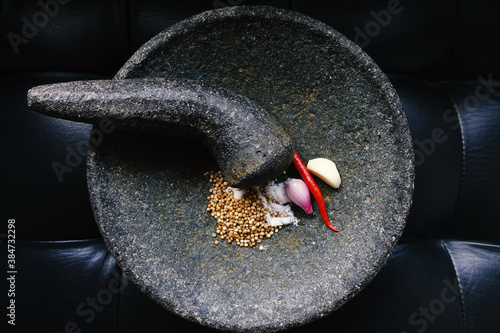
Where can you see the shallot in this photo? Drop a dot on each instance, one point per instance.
(298, 192)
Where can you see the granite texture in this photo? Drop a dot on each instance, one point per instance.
(149, 192)
(248, 144)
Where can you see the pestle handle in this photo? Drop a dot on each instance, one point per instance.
(249, 145)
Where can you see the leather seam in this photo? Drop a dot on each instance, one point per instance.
(462, 303)
(118, 304)
(464, 157)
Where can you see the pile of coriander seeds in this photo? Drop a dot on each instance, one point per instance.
(240, 221)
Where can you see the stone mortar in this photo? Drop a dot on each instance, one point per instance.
(149, 195)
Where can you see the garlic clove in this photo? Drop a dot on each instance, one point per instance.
(326, 170)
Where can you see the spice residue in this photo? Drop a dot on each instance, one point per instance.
(246, 217)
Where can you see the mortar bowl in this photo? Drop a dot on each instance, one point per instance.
(148, 192)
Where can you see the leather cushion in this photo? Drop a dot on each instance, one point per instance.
(77, 36)
(45, 164)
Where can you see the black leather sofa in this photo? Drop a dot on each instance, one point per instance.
(441, 56)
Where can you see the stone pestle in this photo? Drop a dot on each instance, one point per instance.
(249, 145)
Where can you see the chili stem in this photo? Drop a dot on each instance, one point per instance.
(313, 187)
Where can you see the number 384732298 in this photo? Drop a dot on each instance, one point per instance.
(11, 243)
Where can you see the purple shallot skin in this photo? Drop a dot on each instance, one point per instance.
(298, 192)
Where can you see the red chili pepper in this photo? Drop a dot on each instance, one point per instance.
(313, 187)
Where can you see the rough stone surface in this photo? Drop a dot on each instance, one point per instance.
(149, 195)
(248, 144)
